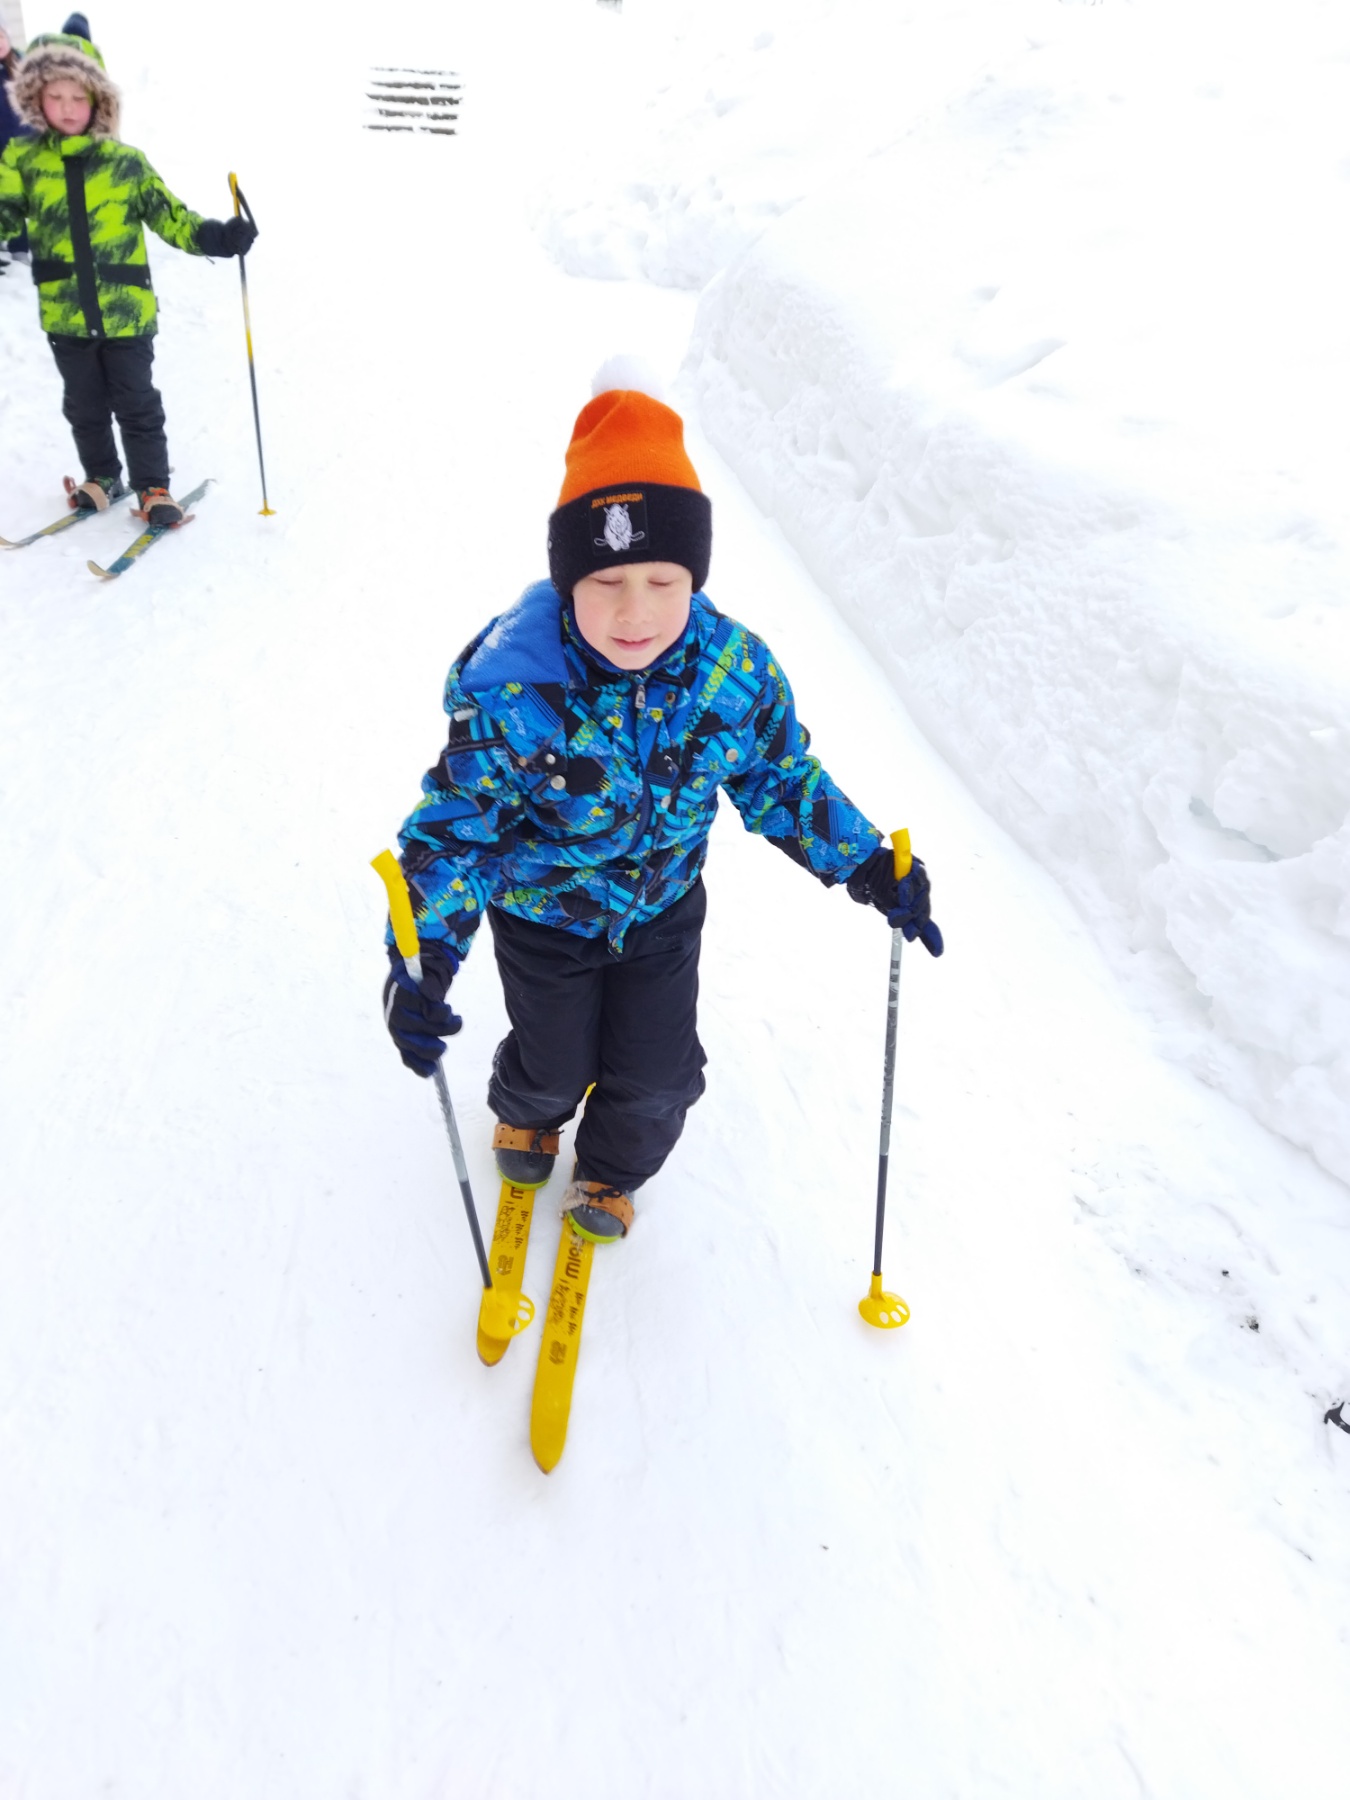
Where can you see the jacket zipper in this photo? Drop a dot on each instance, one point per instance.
(644, 812)
(86, 280)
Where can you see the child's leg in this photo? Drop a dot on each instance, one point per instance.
(140, 411)
(651, 1062)
(554, 984)
(87, 405)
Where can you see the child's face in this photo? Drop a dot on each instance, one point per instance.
(634, 612)
(66, 107)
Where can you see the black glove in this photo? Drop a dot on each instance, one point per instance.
(418, 1020)
(905, 903)
(225, 237)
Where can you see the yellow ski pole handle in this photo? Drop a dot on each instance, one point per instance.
(904, 860)
(401, 918)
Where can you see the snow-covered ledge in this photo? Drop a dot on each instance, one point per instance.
(1070, 494)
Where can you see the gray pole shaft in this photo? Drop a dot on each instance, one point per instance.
(461, 1169)
(253, 385)
(888, 1091)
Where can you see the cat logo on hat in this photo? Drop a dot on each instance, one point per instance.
(622, 529)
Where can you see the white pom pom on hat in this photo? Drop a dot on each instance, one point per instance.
(632, 373)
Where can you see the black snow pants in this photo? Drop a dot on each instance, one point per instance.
(104, 376)
(579, 1014)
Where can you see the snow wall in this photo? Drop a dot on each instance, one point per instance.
(11, 21)
(1026, 322)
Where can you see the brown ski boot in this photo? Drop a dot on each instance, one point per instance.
(598, 1211)
(160, 509)
(525, 1154)
(97, 494)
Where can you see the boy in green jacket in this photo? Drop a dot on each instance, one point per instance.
(86, 197)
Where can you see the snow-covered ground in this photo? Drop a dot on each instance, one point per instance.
(270, 1529)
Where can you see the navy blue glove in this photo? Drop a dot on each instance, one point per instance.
(905, 903)
(225, 237)
(418, 1020)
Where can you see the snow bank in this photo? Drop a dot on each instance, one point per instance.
(1046, 380)
(706, 120)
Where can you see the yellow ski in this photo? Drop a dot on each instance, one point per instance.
(502, 1302)
(559, 1346)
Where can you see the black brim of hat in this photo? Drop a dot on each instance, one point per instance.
(638, 521)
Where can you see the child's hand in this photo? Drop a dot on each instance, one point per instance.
(225, 237)
(905, 903)
(418, 1020)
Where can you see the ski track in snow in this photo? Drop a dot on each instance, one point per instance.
(270, 1527)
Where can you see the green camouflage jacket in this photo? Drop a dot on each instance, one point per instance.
(85, 200)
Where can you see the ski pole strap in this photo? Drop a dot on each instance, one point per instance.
(401, 918)
(904, 860)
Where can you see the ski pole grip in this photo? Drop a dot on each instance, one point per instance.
(241, 205)
(904, 860)
(401, 918)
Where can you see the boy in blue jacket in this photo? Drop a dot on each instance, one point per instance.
(591, 727)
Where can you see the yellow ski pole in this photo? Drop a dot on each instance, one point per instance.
(240, 202)
(887, 1311)
(505, 1316)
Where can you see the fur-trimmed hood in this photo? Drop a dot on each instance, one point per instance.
(56, 56)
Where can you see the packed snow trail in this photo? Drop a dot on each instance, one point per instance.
(271, 1529)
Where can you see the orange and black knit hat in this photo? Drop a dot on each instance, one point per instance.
(630, 493)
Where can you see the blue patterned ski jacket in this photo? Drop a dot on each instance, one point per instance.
(580, 795)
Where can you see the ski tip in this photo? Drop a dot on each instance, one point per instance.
(94, 569)
(548, 1433)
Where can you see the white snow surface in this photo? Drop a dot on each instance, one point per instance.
(1027, 322)
(1079, 1529)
